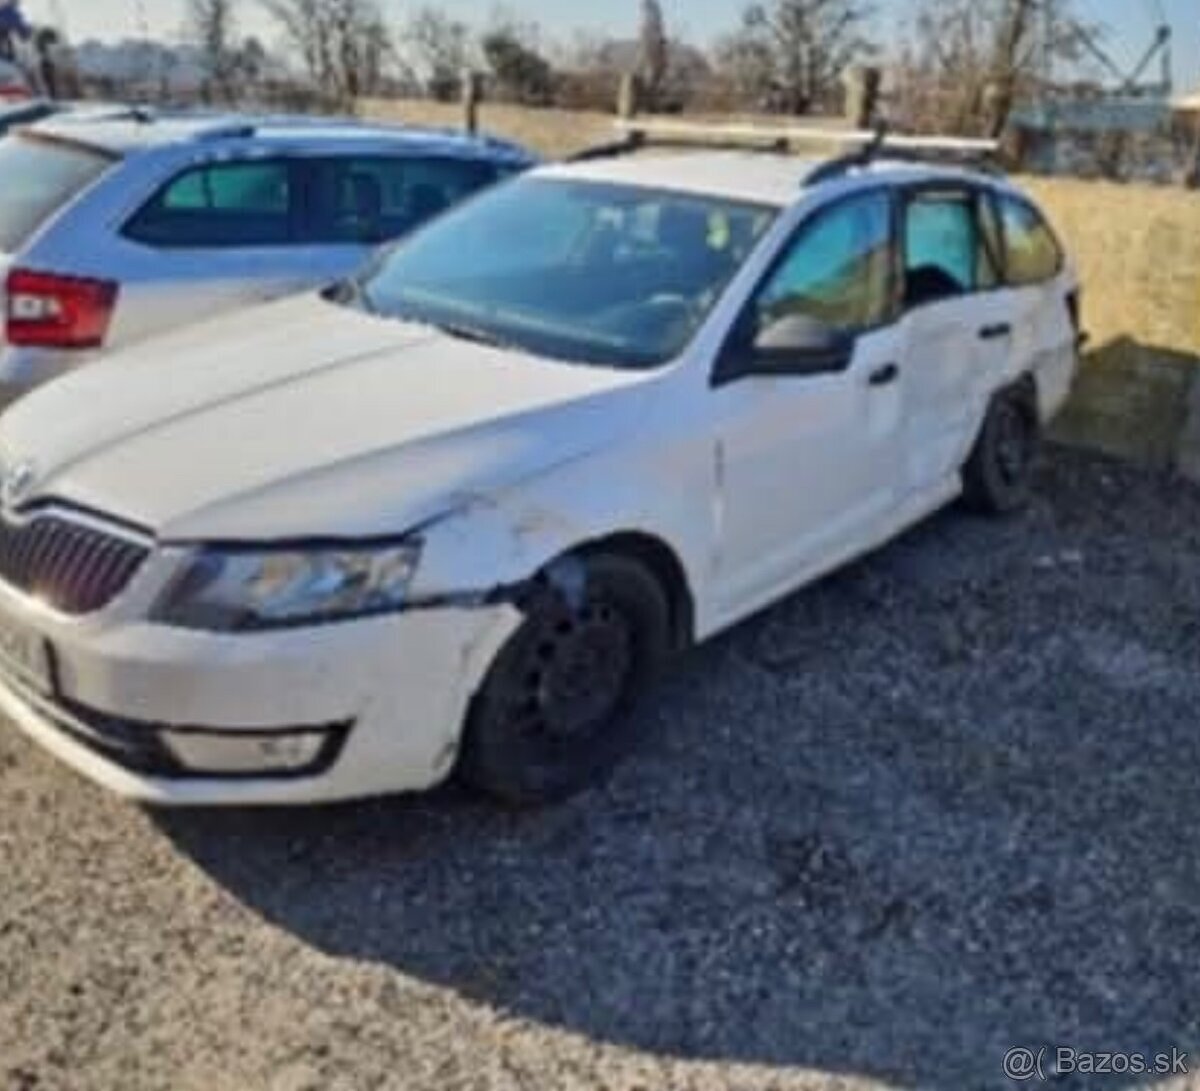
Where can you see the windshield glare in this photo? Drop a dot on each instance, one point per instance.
(589, 272)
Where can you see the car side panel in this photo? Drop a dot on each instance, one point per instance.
(165, 289)
(1051, 342)
(962, 352)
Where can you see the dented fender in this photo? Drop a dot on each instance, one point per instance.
(488, 552)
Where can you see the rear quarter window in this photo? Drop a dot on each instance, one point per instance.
(1031, 252)
(221, 205)
(40, 177)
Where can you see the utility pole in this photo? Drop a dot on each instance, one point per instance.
(1049, 31)
(1168, 77)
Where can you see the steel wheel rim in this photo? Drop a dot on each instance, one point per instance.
(577, 675)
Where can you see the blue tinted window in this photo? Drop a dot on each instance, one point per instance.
(222, 205)
(839, 271)
(941, 240)
(375, 199)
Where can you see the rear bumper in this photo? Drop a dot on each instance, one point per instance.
(25, 369)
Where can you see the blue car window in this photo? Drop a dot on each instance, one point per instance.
(373, 199)
(222, 205)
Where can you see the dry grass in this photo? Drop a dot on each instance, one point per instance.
(1138, 249)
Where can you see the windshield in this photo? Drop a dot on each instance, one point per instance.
(589, 272)
(40, 176)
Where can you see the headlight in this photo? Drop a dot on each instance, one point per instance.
(247, 590)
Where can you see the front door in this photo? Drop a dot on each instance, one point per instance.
(809, 464)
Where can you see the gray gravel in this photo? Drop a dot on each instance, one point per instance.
(940, 805)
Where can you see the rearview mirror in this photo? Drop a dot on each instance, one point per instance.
(799, 344)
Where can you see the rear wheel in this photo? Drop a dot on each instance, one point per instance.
(552, 716)
(998, 476)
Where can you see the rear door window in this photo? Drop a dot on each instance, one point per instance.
(40, 177)
(374, 199)
(223, 205)
(941, 246)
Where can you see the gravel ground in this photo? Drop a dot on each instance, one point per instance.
(936, 807)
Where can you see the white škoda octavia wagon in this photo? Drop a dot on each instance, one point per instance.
(454, 513)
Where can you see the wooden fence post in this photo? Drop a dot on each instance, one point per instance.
(863, 86)
(472, 95)
(629, 99)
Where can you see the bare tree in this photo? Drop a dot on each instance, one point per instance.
(654, 51)
(343, 44)
(791, 53)
(211, 26)
(438, 48)
(973, 60)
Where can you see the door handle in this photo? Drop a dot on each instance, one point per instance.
(885, 376)
(994, 333)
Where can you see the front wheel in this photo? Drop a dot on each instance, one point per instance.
(552, 717)
(998, 476)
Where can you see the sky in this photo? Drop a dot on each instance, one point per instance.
(1130, 22)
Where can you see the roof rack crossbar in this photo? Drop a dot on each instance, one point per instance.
(867, 144)
(636, 140)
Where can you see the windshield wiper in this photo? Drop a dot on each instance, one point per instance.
(471, 333)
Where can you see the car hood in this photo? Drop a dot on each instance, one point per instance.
(305, 419)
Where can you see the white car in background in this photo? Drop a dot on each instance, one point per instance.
(456, 513)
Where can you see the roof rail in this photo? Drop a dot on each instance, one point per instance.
(236, 130)
(869, 144)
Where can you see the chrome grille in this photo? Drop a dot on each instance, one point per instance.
(74, 568)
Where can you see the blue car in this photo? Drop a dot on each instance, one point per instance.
(116, 225)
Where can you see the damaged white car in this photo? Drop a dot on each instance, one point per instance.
(454, 514)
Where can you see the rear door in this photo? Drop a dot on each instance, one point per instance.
(218, 235)
(1043, 299)
(231, 233)
(958, 324)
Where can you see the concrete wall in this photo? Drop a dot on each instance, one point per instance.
(1137, 402)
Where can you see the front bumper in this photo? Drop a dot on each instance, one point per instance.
(393, 693)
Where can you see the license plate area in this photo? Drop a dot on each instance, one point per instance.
(25, 656)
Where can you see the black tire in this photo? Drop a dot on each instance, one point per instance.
(998, 476)
(553, 715)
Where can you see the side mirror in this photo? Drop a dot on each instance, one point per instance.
(798, 344)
